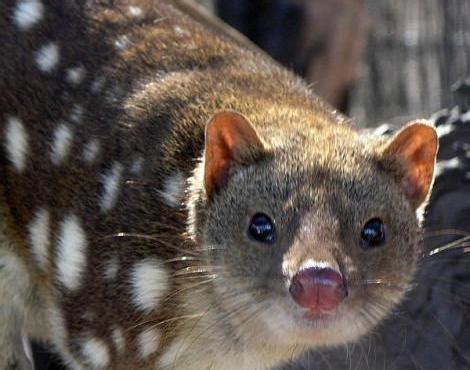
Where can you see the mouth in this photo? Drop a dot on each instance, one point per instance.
(318, 315)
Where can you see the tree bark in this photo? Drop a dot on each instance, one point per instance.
(416, 50)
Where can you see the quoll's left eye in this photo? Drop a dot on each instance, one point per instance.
(262, 229)
(373, 233)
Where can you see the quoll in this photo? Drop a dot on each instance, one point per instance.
(170, 200)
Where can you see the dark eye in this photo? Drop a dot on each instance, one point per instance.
(373, 233)
(262, 229)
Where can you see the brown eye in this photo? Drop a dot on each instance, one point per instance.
(373, 233)
(262, 229)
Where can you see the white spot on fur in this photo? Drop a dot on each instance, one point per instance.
(96, 352)
(16, 143)
(61, 143)
(111, 181)
(135, 11)
(122, 42)
(114, 94)
(39, 237)
(111, 269)
(72, 248)
(75, 75)
(118, 339)
(449, 164)
(28, 13)
(98, 84)
(149, 282)
(173, 189)
(91, 151)
(76, 114)
(59, 336)
(47, 57)
(137, 166)
(148, 342)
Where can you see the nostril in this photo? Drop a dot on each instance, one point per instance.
(318, 289)
(296, 287)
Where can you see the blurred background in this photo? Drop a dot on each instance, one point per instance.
(383, 62)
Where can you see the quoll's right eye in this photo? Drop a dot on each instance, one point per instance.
(373, 234)
(262, 229)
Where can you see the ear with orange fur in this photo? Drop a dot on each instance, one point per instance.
(415, 148)
(230, 141)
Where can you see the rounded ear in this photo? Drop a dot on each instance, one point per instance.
(414, 148)
(230, 141)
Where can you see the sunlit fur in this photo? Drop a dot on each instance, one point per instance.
(319, 199)
(132, 243)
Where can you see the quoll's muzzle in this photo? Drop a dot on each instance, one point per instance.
(318, 289)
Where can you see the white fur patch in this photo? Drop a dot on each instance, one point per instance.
(137, 166)
(96, 353)
(39, 237)
(118, 339)
(148, 342)
(47, 57)
(59, 336)
(16, 143)
(98, 84)
(75, 75)
(149, 282)
(173, 189)
(76, 115)
(91, 151)
(28, 13)
(122, 42)
(135, 11)
(72, 248)
(112, 268)
(111, 182)
(61, 143)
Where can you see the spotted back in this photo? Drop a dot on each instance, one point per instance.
(93, 193)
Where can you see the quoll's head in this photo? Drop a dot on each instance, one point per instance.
(314, 237)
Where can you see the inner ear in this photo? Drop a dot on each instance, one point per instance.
(231, 141)
(414, 148)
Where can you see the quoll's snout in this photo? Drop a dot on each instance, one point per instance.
(318, 289)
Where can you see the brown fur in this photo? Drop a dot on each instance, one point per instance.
(227, 306)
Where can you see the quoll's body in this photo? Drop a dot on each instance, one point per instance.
(170, 200)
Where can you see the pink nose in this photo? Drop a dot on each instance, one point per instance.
(318, 289)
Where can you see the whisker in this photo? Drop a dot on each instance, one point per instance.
(196, 270)
(186, 288)
(456, 244)
(176, 318)
(443, 232)
(182, 259)
(382, 282)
